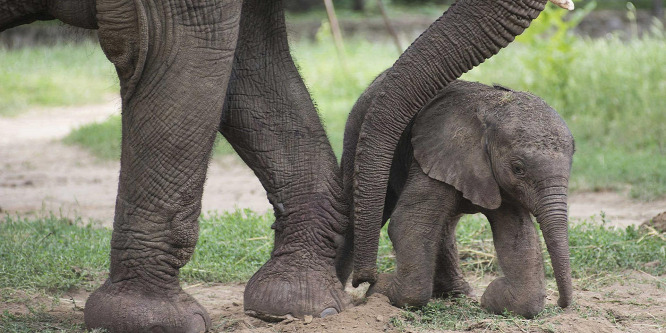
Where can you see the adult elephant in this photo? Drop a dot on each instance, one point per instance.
(187, 66)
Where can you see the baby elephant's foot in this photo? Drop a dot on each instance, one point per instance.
(500, 296)
(401, 294)
(121, 307)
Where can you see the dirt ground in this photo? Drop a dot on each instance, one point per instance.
(38, 174)
(634, 303)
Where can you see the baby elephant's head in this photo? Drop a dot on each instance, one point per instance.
(496, 145)
(529, 150)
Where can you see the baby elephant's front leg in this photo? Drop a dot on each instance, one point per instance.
(522, 288)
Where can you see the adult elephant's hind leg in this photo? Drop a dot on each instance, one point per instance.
(174, 62)
(272, 123)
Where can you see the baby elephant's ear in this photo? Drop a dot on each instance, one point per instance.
(449, 145)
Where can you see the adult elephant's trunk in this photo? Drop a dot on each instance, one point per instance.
(551, 213)
(79, 13)
(463, 37)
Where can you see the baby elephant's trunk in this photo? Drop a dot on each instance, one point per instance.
(551, 213)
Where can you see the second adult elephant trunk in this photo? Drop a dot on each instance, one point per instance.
(551, 214)
(463, 37)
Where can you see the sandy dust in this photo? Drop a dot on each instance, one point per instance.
(38, 173)
(633, 303)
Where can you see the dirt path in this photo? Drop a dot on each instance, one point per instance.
(40, 174)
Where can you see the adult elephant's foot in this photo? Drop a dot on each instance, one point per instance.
(283, 288)
(124, 307)
(501, 296)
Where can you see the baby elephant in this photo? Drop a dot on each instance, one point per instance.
(477, 149)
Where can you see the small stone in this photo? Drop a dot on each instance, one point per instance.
(380, 318)
(235, 304)
(307, 319)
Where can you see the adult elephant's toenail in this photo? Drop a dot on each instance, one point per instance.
(328, 312)
(197, 324)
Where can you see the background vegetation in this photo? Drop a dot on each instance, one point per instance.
(610, 92)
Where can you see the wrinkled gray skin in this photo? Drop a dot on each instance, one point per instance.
(191, 68)
(475, 149)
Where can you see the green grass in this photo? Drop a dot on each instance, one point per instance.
(57, 254)
(53, 255)
(54, 76)
(100, 138)
(39, 321)
(50, 253)
(232, 246)
(464, 314)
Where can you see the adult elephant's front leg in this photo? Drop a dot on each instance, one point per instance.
(174, 61)
(273, 125)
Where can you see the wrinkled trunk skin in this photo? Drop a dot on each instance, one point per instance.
(271, 122)
(79, 13)
(173, 60)
(551, 214)
(467, 34)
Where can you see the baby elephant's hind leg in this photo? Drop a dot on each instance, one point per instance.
(449, 280)
(414, 230)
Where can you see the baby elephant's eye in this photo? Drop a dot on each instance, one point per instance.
(517, 169)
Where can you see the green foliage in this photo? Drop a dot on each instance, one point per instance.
(597, 248)
(550, 35)
(336, 86)
(54, 76)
